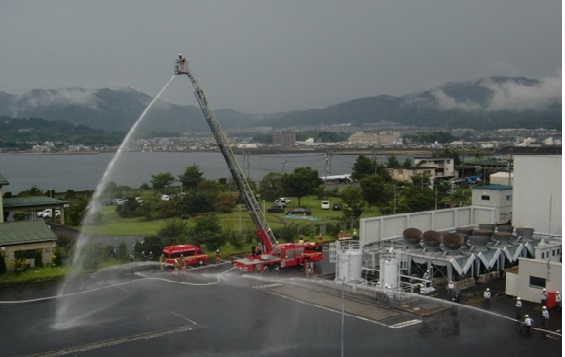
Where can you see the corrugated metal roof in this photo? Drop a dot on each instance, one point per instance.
(31, 201)
(493, 187)
(25, 232)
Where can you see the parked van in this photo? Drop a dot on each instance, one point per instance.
(48, 213)
(191, 254)
(325, 205)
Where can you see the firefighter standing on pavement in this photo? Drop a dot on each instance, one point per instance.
(162, 260)
(543, 297)
(518, 308)
(218, 256)
(544, 318)
(487, 296)
(558, 301)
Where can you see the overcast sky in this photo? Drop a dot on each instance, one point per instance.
(267, 56)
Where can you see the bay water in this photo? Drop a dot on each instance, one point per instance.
(62, 172)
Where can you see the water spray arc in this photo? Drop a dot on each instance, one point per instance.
(65, 312)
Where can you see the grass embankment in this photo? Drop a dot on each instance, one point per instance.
(32, 275)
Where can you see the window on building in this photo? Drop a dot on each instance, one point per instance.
(537, 282)
(508, 197)
(485, 198)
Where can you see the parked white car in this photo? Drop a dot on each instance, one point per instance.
(165, 197)
(48, 213)
(282, 202)
(325, 205)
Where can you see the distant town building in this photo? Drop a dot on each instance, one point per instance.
(381, 138)
(405, 173)
(442, 167)
(284, 139)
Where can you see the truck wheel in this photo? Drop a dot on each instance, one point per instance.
(200, 262)
(276, 267)
(265, 268)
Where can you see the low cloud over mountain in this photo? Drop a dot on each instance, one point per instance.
(489, 103)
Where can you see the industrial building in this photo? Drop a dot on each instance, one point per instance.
(511, 231)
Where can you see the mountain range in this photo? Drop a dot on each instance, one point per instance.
(486, 104)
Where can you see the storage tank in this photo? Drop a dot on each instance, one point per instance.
(489, 226)
(465, 232)
(412, 237)
(505, 228)
(525, 234)
(452, 242)
(389, 273)
(431, 239)
(503, 238)
(479, 242)
(349, 267)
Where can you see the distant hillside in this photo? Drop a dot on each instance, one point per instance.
(489, 103)
(113, 110)
(492, 103)
(13, 132)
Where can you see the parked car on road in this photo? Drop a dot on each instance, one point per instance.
(336, 206)
(300, 211)
(48, 213)
(275, 209)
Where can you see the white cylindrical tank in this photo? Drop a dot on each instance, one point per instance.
(389, 273)
(349, 264)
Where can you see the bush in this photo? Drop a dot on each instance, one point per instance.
(57, 261)
(3, 267)
(38, 258)
(236, 240)
(122, 252)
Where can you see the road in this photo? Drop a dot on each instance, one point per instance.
(216, 311)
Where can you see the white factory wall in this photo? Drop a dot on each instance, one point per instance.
(537, 201)
(376, 229)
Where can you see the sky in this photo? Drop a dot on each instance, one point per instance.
(266, 56)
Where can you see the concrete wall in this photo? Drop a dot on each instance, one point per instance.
(499, 199)
(376, 229)
(537, 193)
(47, 247)
(518, 284)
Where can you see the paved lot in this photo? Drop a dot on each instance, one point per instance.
(216, 311)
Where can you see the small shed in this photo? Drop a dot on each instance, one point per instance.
(27, 236)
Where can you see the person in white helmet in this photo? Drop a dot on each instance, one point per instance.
(486, 297)
(544, 318)
(543, 297)
(427, 276)
(527, 324)
(557, 301)
(518, 309)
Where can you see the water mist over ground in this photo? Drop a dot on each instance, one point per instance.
(67, 315)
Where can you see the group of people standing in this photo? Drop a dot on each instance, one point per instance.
(528, 322)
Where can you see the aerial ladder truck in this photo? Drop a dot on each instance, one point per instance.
(270, 255)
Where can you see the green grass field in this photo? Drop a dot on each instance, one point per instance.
(113, 225)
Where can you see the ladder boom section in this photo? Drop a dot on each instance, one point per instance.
(264, 232)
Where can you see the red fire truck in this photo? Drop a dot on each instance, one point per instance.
(191, 254)
(270, 254)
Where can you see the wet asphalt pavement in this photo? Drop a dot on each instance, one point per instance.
(137, 309)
